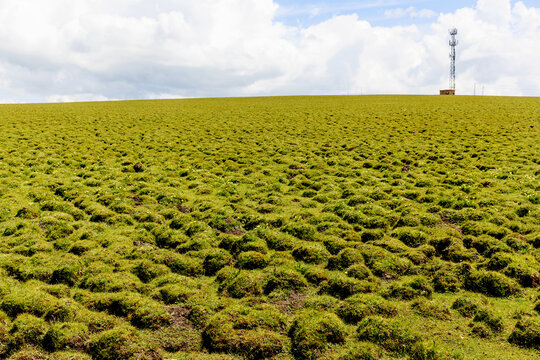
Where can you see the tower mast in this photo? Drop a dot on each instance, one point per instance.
(453, 43)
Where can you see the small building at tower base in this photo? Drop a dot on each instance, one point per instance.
(448, 92)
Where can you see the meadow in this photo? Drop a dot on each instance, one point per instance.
(339, 228)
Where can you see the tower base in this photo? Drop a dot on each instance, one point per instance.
(448, 92)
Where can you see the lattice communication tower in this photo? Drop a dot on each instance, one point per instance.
(453, 43)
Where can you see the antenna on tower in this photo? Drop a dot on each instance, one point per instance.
(453, 43)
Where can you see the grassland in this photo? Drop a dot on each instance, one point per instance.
(373, 227)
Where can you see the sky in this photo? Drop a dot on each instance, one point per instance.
(86, 50)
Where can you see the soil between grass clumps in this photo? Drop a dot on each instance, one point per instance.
(372, 227)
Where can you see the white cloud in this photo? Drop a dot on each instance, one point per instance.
(424, 13)
(315, 11)
(76, 97)
(411, 12)
(63, 50)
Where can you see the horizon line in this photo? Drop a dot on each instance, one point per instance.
(254, 97)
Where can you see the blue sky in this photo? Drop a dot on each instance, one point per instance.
(377, 12)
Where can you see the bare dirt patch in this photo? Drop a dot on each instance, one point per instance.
(292, 303)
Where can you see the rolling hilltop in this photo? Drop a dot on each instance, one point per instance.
(371, 227)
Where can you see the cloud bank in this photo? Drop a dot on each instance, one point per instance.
(64, 50)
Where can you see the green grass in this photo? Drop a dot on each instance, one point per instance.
(371, 227)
